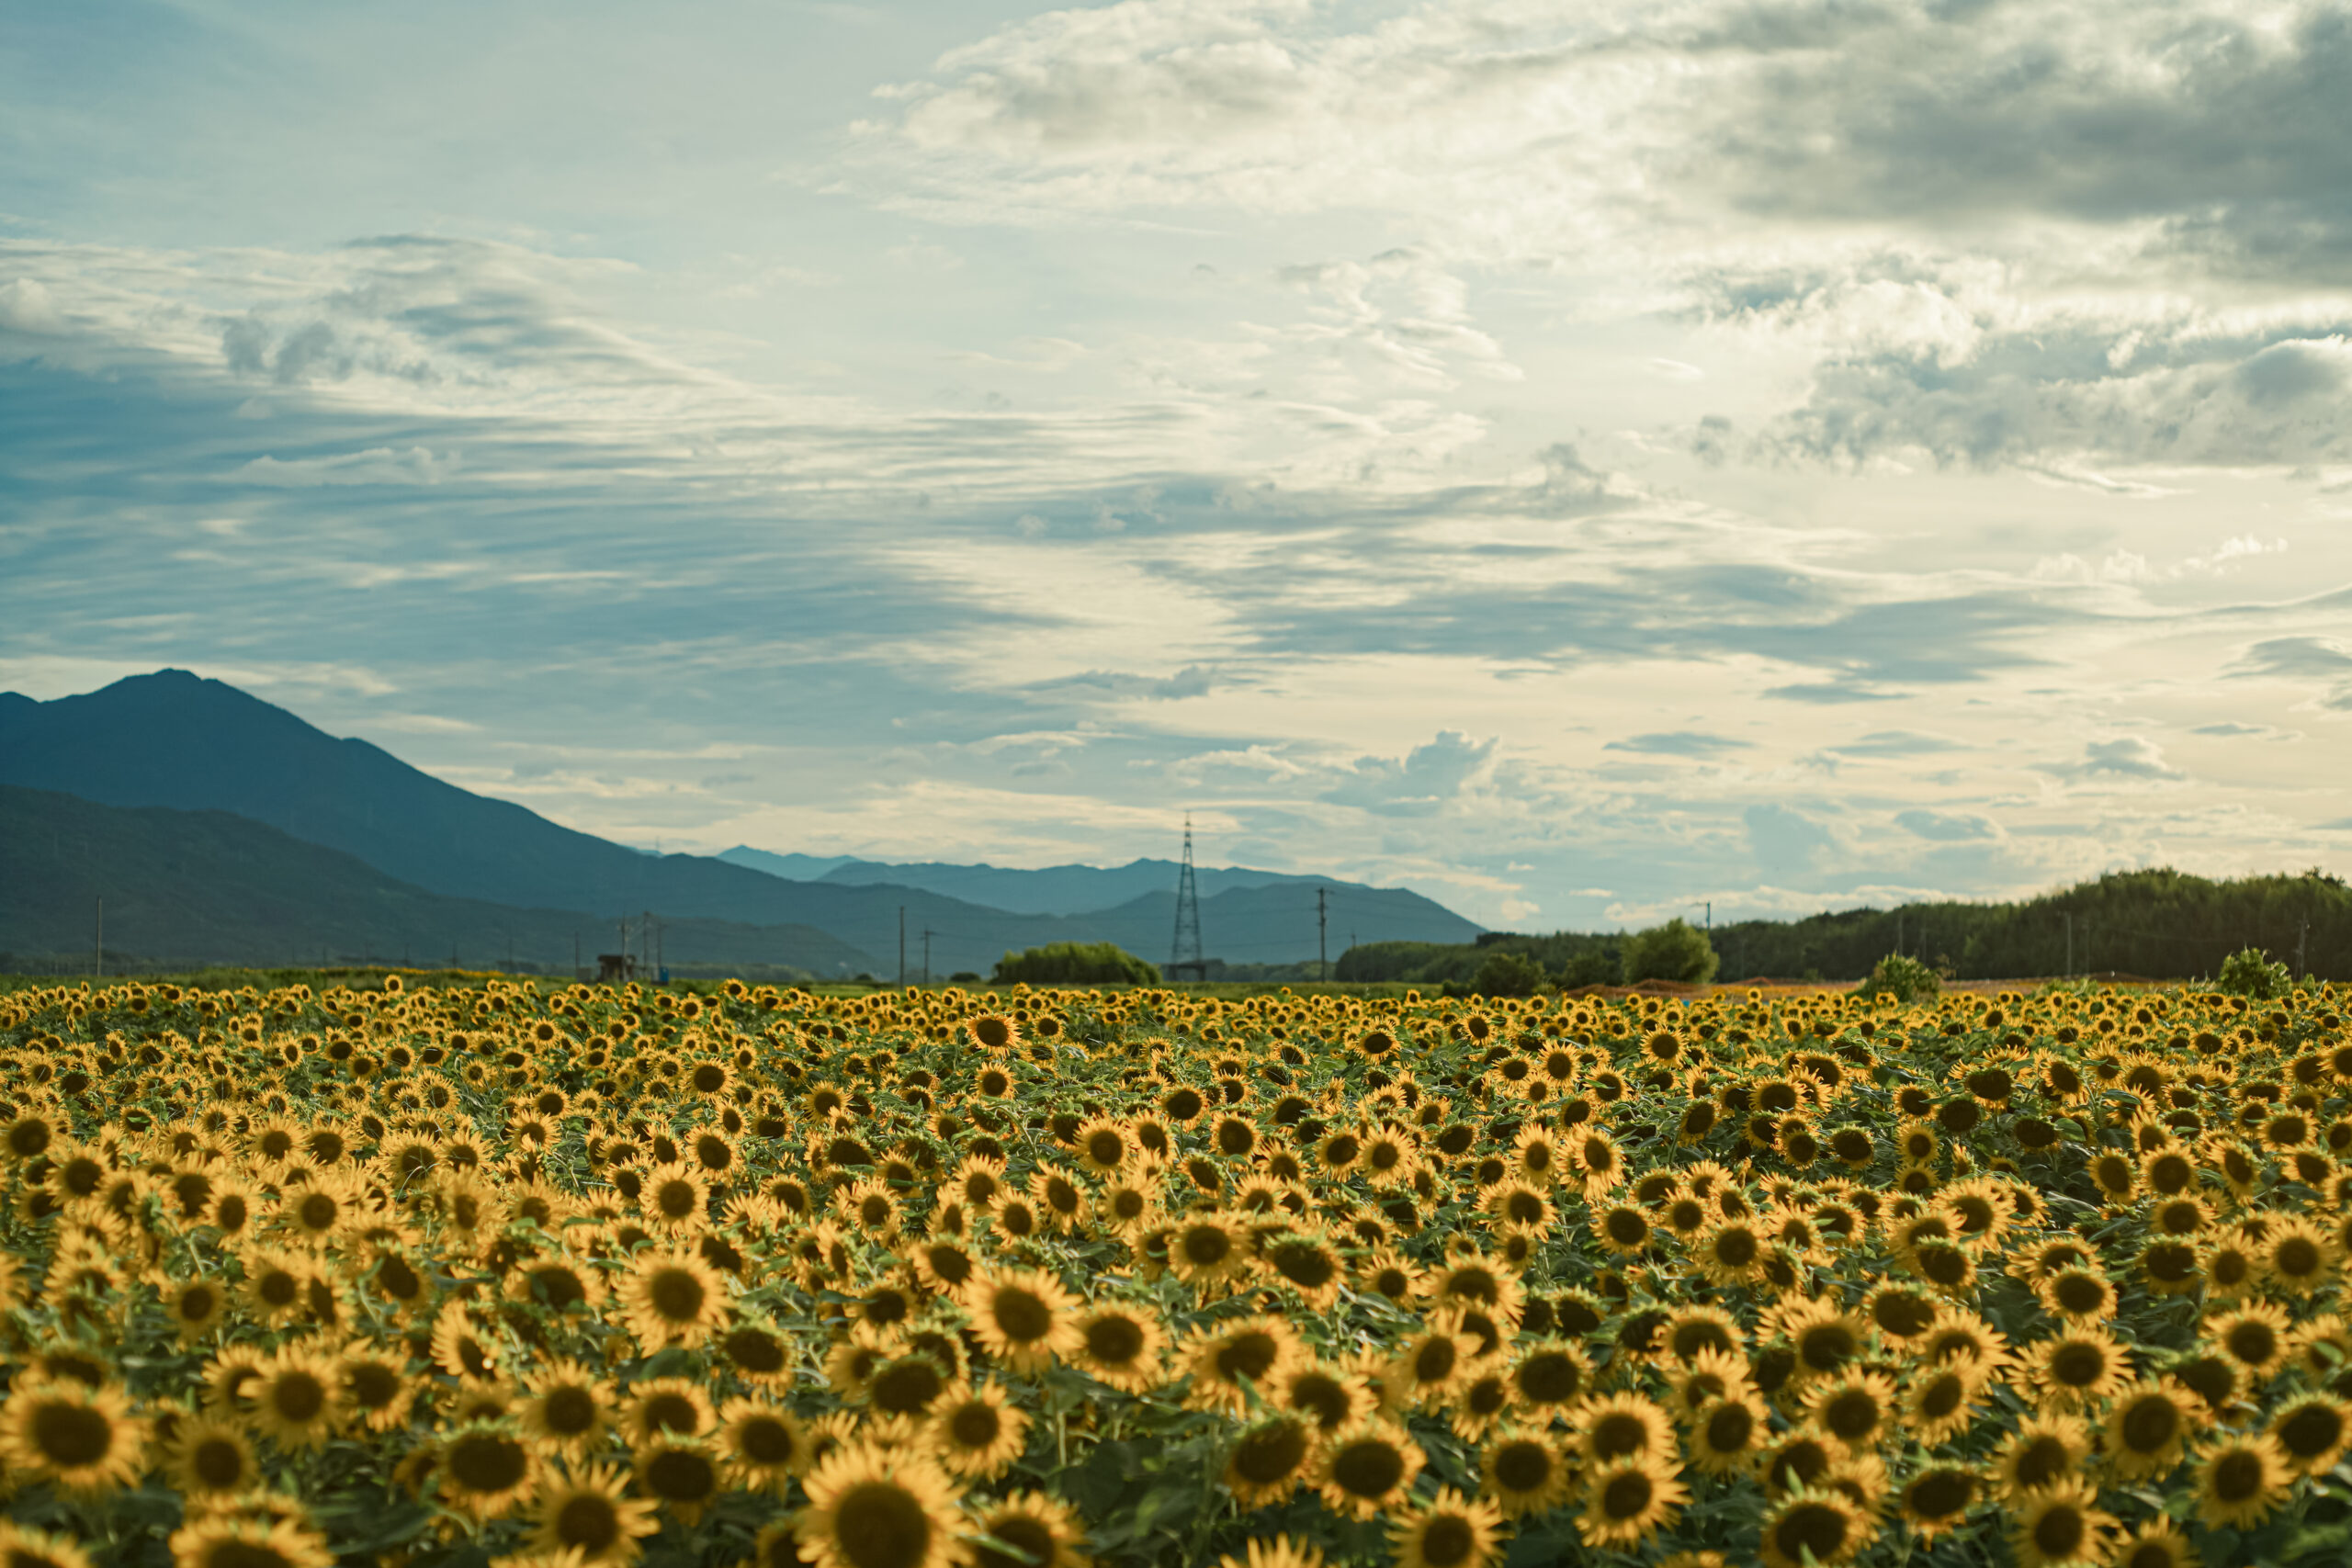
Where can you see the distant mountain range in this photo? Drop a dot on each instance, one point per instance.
(1050, 890)
(175, 741)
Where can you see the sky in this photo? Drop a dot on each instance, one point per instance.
(1583, 463)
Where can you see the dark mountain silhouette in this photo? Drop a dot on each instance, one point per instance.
(174, 740)
(212, 888)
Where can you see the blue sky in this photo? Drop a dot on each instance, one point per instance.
(1574, 461)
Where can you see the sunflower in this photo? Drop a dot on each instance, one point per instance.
(1626, 1501)
(871, 1508)
(2078, 1366)
(1730, 1253)
(2296, 1256)
(1430, 1364)
(586, 1513)
(682, 1473)
(2059, 1524)
(1022, 1316)
(1270, 1459)
(80, 1439)
(671, 1297)
(22, 1548)
(1524, 1472)
(2312, 1431)
(759, 1354)
(1810, 1528)
(2157, 1543)
(1940, 1401)
(2079, 1295)
(1367, 1469)
(207, 1457)
(660, 1407)
(1856, 1408)
(1309, 1264)
(1938, 1498)
(2228, 1264)
(294, 1399)
(993, 1032)
(1042, 1532)
(2257, 1335)
(2044, 1450)
(1549, 1375)
(1822, 1337)
(1120, 1346)
(2240, 1480)
(227, 1541)
(485, 1471)
(569, 1409)
(1228, 1361)
(1279, 1552)
(1448, 1531)
(1206, 1249)
(977, 1434)
(1622, 1426)
(458, 1346)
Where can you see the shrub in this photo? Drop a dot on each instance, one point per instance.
(1598, 966)
(1506, 974)
(2249, 972)
(1077, 964)
(1675, 951)
(1907, 980)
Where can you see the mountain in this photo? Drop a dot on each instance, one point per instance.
(211, 887)
(1050, 890)
(174, 740)
(793, 868)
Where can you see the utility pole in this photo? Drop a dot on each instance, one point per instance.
(100, 960)
(1898, 930)
(902, 944)
(2070, 942)
(2303, 939)
(927, 934)
(1322, 953)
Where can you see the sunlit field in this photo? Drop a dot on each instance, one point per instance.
(1042, 1278)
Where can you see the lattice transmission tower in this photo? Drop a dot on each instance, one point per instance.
(1186, 962)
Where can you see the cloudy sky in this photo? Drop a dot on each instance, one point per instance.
(1577, 461)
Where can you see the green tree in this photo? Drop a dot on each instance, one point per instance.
(1076, 964)
(1906, 979)
(1675, 951)
(1506, 974)
(2249, 972)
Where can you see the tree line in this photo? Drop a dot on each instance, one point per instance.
(2159, 924)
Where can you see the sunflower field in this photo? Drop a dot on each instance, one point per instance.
(1039, 1278)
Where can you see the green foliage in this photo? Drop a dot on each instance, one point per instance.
(1507, 975)
(2249, 972)
(1595, 967)
(1675, 951)
(1905, 978)
(1076, 964)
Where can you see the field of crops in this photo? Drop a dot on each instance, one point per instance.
(1058, 1278)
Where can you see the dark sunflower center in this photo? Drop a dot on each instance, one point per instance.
(589, 1521)
(483, 1461)
(976, 1426)
(681, 1475)
(1627, 1496)
(298, 1397)
(71, 1435)
(218, 1464)
(1371, 1468)
(2059, 1532)
(1523, 1467)
(878, 1524)
(1271, 1453)
(1114, 1341)
(677, 1296)
(1817, 1528)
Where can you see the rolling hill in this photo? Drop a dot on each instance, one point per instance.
(213, 887)
(177, 741)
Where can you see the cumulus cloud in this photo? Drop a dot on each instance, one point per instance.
(2125, 756)
(1946, 828)
(1423, 781)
